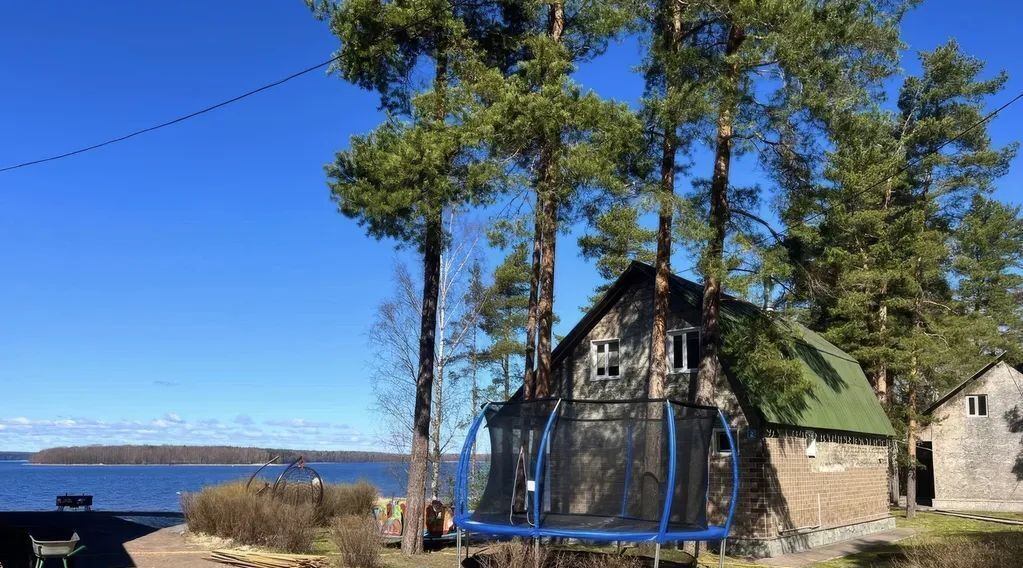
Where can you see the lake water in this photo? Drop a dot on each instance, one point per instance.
(26, 487)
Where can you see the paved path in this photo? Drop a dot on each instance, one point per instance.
(168, 548)
(872, 542)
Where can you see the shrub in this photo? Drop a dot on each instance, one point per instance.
(340, 500)
(975, 550)
(229, 511)
(357, 539)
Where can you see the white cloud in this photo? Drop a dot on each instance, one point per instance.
(298, 433)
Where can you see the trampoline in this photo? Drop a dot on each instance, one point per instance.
(600, 470)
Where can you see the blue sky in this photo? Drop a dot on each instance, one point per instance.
(195, 284)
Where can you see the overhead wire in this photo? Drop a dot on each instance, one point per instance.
(915, 161)
(173, 121)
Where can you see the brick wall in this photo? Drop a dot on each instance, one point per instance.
(780, 485)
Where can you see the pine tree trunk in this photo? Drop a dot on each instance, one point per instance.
(893, 474)
(529, 380)
(710, 339)
(413, 521)
(506, 372)
(911, 446)
(672, 23)
(549, 214)
(412, 535)
(545, 307)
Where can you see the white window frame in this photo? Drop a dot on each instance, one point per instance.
(975, 398)
(670, 349)
(593, 360)
(716, 447)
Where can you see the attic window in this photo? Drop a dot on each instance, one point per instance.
(605, 358)
(722, 445)
(683, 350)
(976, 405)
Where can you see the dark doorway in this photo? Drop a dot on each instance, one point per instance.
(925, 475)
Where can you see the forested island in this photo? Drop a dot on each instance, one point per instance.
(196, 455)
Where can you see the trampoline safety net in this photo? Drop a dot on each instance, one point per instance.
(605, 466)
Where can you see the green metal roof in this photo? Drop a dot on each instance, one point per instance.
(840, 398)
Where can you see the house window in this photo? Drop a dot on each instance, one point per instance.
(976, 405)
(683, 350)
(605, 356)
(722, 445)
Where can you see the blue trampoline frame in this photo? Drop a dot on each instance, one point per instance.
(464, 522)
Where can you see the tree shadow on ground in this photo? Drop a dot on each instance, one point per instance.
(103, 534)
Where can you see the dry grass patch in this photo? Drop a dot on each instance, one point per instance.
(357, 539)
(524, 555)
(229, 511)
(982, 550)
(347, 499)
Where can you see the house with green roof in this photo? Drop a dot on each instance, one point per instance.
(813, 442)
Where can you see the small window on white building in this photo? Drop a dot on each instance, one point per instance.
(605, 357)
(976, 405)
(683, 350)
(722, 445)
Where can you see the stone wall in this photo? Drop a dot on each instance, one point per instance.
(978, 460)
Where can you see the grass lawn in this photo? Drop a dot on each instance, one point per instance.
(932, 528)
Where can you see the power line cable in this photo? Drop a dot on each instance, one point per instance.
(174, 121)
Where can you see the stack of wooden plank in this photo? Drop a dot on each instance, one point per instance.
(252, 559)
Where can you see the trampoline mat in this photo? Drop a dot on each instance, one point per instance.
(588, 523)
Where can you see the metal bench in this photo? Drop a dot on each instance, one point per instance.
(74, 502)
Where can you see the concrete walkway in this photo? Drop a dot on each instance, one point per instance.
(870, 543)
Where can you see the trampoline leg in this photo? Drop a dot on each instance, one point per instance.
(657, 555)
(458, 545)
(536, 552)
(721, 553)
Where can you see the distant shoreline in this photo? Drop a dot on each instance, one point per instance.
(26, 462)
(166, 455)
(170, 464)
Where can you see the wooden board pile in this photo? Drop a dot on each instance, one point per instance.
(251, 559)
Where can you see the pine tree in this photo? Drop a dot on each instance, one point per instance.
(564, 141)
(504, 320)
(399, 180)
(817, 60)
(950, 160)
(988, 256)
(877, 264)
(616, 240)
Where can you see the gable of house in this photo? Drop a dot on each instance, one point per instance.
(976, 439)
(839, 398)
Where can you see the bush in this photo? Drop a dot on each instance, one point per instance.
(975, 550)
(229, 511)
(357, 539)
(345, 499)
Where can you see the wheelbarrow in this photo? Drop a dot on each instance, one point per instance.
(62, 550)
